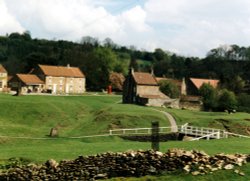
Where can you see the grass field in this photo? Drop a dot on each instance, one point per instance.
(72, 115)
(34, 116)
(236, 123)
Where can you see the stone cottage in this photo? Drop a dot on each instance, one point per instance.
(194, 84)
(61, 79)
(26, 83)
(3, 78)
(50, 79)
(142, 88)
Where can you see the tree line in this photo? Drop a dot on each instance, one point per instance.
(19, 53)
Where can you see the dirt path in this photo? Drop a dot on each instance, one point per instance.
(171, 120)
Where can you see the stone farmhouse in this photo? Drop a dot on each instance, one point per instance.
(3, 79)
(142, 88)
(194, 84)
(50, 79)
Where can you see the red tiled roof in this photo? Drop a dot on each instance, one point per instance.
(29, 79)
(198, 82)
(60, 71)
(2, 69)
(9, 77)
(142, 78)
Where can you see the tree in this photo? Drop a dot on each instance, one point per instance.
(116, 80)
(89, 41)
(108, 42)
(237, 84)
(209, 96)
(169, 88)
(227, 100)
(244, 102)
(99, 66)
(133, 63)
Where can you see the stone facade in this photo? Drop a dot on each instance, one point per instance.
(50, 79)
(61, 80)
(65, 84)
(26, 83)
(3, 79)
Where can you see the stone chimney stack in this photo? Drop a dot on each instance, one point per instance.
(152, 71)
(131, 71)
(68, 65)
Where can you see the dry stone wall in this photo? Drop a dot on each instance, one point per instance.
(127, 164)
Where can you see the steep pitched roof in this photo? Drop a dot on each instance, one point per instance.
(198, 82)
(142, 78)
(60, 71)
(2, 69)
(29, 79)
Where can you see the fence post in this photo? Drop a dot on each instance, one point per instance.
(155, 136)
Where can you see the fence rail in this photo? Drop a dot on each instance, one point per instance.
(207, 136)
(138, 131)
(198, 132)
(227, 134)
(201, 131)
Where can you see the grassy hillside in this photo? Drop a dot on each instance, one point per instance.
(34, 116)
(237, 122)
(72, 115)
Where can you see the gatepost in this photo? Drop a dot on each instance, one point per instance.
(155, 136)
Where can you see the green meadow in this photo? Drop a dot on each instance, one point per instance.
(25, 124)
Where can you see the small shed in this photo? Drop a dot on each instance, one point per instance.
(26, 83)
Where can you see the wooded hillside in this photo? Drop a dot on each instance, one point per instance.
(19, 53)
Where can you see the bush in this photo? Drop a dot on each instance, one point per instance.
(244, 102)
(227, 100)
(169, 88)
(209, 96)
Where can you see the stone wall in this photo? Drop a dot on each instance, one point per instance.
(3, 81)
(147, 90)
(128, 164)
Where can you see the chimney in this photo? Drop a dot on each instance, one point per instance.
(152, 71)
(131, 71)
(68, 65)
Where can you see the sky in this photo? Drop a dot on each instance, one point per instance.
(185, 27)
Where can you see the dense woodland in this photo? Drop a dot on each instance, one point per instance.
(19, 53)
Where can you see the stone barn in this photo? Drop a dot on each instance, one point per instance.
(142, 88)
(194, 84)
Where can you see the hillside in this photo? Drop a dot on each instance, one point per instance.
(32, 117)
(73, 115)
